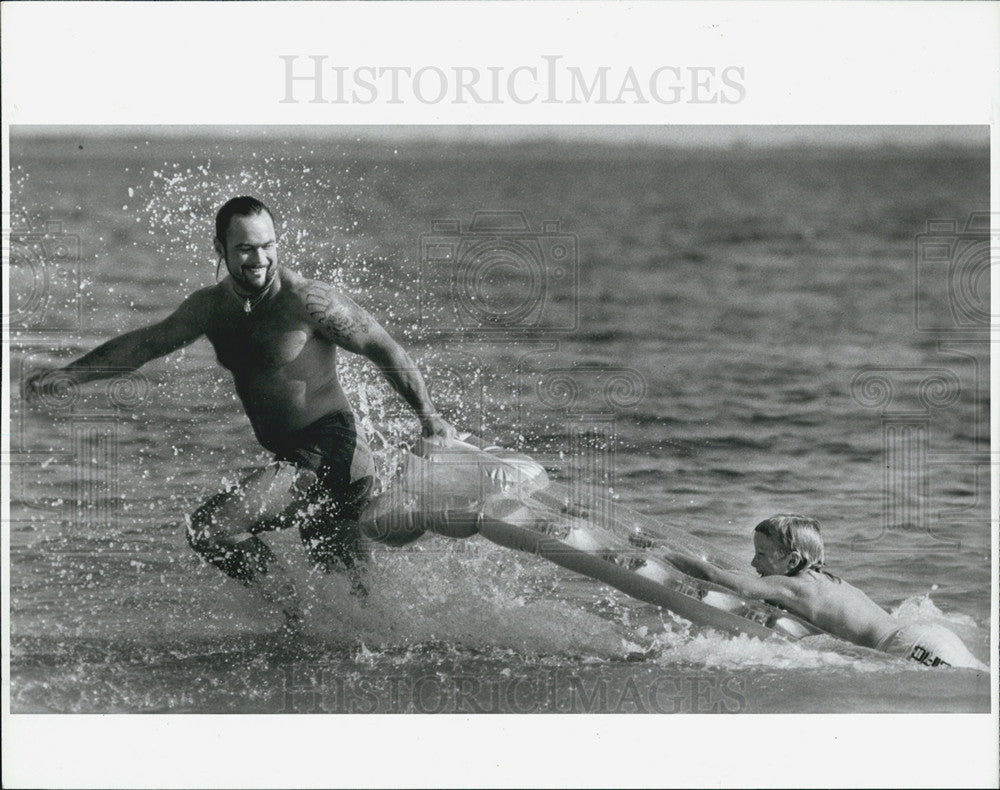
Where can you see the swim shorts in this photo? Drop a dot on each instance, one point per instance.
(343, 477)
(338, 454)
(929, 644)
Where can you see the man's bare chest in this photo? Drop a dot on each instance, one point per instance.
(262, 344)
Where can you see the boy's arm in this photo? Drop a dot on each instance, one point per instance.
(342, 321)
(779, 589)
(134, 349)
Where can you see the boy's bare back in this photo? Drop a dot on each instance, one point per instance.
(832, 604)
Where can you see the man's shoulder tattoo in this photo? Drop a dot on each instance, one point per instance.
(336, 316)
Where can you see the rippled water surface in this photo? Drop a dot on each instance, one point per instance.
(708, 319)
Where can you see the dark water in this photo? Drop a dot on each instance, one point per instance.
(703, 329)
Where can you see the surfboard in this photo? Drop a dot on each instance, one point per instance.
(462, 488)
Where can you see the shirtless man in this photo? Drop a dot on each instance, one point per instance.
(278, 334)
(788, 555)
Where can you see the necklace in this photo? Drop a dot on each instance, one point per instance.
(250, 302)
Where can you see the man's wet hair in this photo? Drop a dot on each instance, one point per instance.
(243, 206)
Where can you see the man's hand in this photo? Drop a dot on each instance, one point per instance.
(434, 426)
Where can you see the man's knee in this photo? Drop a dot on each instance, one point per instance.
(202, 526)
(241, 556)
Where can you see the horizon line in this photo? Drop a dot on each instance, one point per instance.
(700, 136)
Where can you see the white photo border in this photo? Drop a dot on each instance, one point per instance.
(808, 64)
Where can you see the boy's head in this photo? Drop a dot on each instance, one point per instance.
(787, 544)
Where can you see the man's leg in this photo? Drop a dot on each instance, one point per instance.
(332, 533)
(224, 531)
(345, 479)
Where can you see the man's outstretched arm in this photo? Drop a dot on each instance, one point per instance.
(339, 319)
(134, 349)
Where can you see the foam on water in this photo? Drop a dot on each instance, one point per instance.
(471, 594)
(920, 608)
(723, 651)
